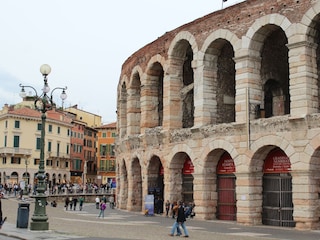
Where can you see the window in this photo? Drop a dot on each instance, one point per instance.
(67, 164)
(68, 132)
(103, 150)
(58, 131)
(39, 127)
(50, 128)
(112, 150)
(15, 160)
(58, 149)
(57, 163)
(113, 134)
(36, 161)
(6, 124)
(68, 148)
(49, 146)
(5, 140)
(4, 160)
(16, 124)
(16, 140)
(104, 135)
(49, 162)
(38, 143)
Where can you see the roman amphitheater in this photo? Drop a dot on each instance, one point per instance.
(224, 112)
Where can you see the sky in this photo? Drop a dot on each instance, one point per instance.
(85, 42)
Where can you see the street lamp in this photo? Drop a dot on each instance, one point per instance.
(26, 161)
(42, 103)
(85, 169)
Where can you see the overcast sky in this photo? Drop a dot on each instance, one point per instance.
(85, 42)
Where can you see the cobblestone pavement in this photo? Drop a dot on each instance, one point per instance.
(121, 225)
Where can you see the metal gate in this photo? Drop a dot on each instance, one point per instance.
(227, 207)
(277, 200)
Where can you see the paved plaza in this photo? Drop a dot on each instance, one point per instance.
(120, 225)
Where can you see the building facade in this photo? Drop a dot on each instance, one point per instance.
(20, 129)
(224, 111)
(106, 154)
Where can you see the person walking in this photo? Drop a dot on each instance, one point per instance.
(167, 205)
(181, 218)
(1, 218)
(97, 202)
(103, 206)
(75, 201)
(81, 200)
(66, 203)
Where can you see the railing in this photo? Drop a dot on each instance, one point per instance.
(15, 151)
(58, 155)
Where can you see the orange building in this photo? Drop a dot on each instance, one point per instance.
(106, 171)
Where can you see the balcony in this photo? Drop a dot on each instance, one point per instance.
(58, 155)
(15, 151)
(107, 169)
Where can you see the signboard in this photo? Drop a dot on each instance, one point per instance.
(161, 171)
(188, 167)
(277, 162)
(226, 164)
(149, 204)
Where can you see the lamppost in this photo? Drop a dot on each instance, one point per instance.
(42, 103)
(26, 177)
(85, 169)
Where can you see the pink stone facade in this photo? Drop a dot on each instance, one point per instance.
(242, 81)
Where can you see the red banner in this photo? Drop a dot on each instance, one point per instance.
(226, 164)
(188, 167)
(277, 162)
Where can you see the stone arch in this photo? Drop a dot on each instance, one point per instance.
(134, 102)
(122, 106)
(179, 80)
(123, 185)
(155, 178)
(135, 185)
(267, 45)
(153, 93)
(257, 33)
(311, 33)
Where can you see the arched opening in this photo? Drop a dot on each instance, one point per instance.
(219, 80)
(123, 195)
(134, 105)
(226, 188)
(155, 183)
(275, 73)
(123, 110)
(277, 205)
(154, 111)
(136, 186)
(187, 180)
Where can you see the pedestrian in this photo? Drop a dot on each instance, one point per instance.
(75, 201)
(102, 208)
(70, 203)
(181, 218)
(81, 200)
(97, 202)
(66, 203)
(174, 209)
(1, 218)
(111, 200)
(167, 205)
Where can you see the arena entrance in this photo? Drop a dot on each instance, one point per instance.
(187, 185)
(226, 189)
(277, 206)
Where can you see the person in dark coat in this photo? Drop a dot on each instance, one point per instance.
(1, 218)
(181, 218)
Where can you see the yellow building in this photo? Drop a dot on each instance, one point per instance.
(92, 120)
(106, 154)
(20, 129)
